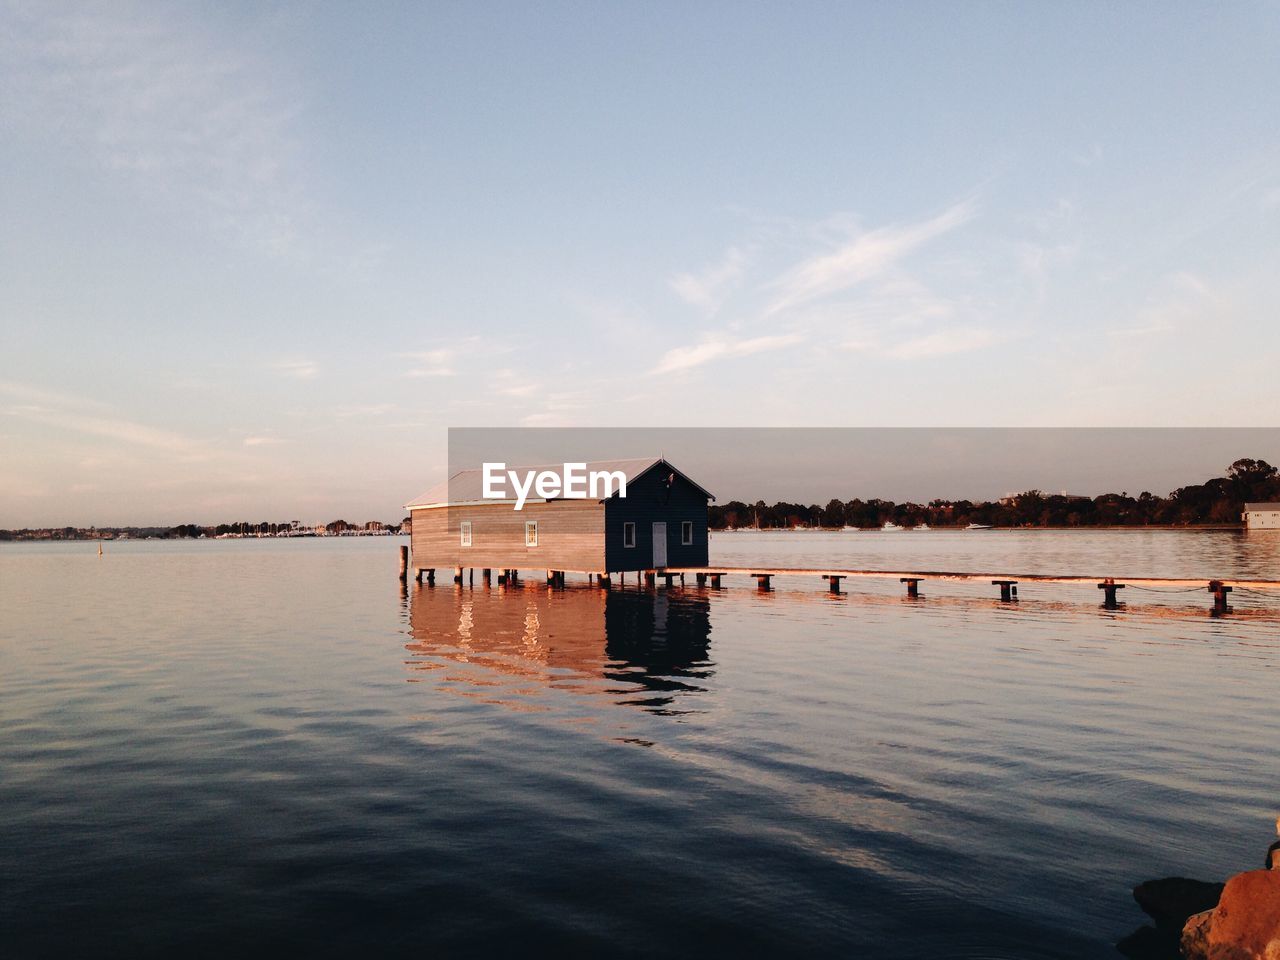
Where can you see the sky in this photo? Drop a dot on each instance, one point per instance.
(256, 259)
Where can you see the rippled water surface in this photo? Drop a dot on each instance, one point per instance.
(222, 747)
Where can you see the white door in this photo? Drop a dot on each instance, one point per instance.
(659, 544)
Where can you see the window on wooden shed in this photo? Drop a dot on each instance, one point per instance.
(686, 532)
(628, 534)
(531, 533)
(466, 533)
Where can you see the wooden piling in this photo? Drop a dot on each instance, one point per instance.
(762, 581)
(913, 586)
(1008, 589)
(1109, 588)
(404, 564)
(1219, 591)
(833, 581)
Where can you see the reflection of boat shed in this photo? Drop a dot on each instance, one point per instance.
(661, 522)
(634, 648)
(1262, 516)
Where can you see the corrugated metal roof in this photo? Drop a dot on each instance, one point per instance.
(1261, 506)
(467, 486)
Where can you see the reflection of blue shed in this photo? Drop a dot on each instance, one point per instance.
(661, 522)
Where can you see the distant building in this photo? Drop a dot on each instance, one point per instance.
(1013, 499)
(662, 522)
(1262, 516)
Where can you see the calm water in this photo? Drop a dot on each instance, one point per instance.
(222, 747)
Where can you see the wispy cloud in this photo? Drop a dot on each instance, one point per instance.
(262, 441)
(365, 410)
(41, 398)
(445, 359)
(126, 431)
(47, 412)
(195, 121)
(431, 363)
(940, 343)
(82, 418)
(1182, 301)
(722, 346)
(1090, 156)
(708, 288)
(868, 255)
(510, 383)
(297, 369)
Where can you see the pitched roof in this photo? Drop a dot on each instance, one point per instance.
(467, 486)
(1262, 506)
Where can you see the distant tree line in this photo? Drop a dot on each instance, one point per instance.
(185, 531)
(1217, 501)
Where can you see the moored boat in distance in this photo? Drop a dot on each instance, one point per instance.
(921, 526)
(978, 526)
(891, 527)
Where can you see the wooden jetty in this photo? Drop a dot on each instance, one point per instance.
(912, 579)
(1007, 583)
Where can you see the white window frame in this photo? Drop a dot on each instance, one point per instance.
(628, 527)
(531, 526)
(686, 533)
(464, 533)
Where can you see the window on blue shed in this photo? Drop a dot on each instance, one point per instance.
(686, 532)
(628, 534)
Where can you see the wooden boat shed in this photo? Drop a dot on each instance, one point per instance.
(661, 522)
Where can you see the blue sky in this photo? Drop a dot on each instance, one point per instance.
(254, 259)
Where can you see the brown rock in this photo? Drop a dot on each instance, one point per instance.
(1195, 936)
(1246, 922)
(1169, 902)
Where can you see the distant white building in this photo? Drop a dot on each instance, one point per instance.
(1262, 516)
